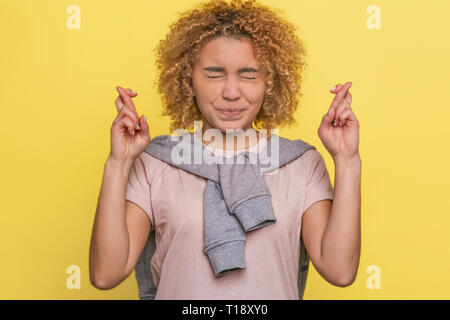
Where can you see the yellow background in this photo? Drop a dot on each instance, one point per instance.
(57, 106)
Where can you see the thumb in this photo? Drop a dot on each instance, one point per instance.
(144, 133)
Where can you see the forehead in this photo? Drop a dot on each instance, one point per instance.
(228, 52)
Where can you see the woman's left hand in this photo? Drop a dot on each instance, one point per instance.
(340, 137)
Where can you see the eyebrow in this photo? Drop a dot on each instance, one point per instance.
(220, 69)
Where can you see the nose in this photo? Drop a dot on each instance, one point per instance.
(231, 90)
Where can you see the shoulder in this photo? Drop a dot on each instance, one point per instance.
(297, 151)
(307, 161)
(305, 168)
(149, 165)
(313, 157)
(315, 166)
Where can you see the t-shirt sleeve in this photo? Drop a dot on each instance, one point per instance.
(318, 184)
(138, 188)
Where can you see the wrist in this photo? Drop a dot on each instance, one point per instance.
(124, 164)
(353, 161)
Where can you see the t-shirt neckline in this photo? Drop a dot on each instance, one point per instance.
(257, 148)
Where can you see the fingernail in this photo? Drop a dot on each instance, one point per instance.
(330, 111)
(138, 126)
(334, 88)
(144, 119)
(133, 91)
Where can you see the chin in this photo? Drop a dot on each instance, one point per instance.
(230, 126)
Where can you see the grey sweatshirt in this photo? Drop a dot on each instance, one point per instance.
(236, 199)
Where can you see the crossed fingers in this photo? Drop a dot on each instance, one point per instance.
(125, 106)
(340, 105)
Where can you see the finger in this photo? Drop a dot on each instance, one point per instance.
(341, 107)
(332, 109)
(348, 98)
(330, 114)
(347, 110)
(127, 100)
(121, 124)
(144, 132)
(345, 104)
(346, 115)
(125, 95)
(126, 112)
(340, 95)
(131, 92)
(327, 120)
(336, 88)
(127, 124)
(119, 103)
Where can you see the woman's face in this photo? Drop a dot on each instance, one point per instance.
(228, 86)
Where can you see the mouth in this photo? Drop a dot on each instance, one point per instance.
(230, 112)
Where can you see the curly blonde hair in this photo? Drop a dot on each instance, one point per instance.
(278, 51)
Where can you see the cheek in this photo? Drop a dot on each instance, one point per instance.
(256, 91)
(209, 92)
(254, 112)
(256, 97)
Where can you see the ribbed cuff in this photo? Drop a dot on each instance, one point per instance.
(226, 257)
(255, 213)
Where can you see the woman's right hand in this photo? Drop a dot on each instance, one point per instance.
(128, 139)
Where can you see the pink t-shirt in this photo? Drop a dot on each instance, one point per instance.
(173, 200)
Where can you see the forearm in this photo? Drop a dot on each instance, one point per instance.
(110, 241)
(341, 240)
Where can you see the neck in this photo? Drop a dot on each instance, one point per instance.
(239, 142)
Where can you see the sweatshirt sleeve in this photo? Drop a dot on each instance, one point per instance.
(138, 188)
(318, 185)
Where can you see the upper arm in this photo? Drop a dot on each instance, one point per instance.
(138, 226)
(317, 208)
(314, 222)
(138, 209)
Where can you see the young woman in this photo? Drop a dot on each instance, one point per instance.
(233, 65)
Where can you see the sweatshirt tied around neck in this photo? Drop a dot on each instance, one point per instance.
(236, 199)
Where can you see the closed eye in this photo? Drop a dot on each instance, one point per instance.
(221, 76)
